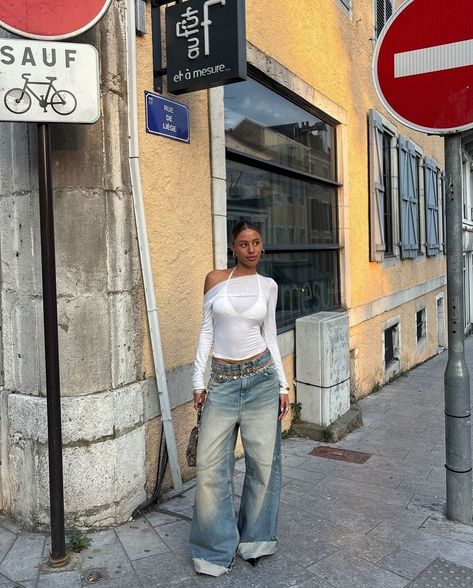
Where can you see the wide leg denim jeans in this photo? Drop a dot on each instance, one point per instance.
(251, 404)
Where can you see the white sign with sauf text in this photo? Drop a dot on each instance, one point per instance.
(44, 81)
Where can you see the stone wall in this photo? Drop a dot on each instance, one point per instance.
(102, 326)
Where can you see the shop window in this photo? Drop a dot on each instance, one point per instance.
(381, 188)
(420, 325)
(281, 175)
(384, 9)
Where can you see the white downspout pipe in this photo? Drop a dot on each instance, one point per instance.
(140, 219)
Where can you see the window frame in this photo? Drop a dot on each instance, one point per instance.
(394, 366)
(421, 326)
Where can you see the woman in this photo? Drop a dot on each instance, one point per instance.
(247, 391)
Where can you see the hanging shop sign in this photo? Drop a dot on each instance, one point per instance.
(44, 81)
(206, 44)
(167, 118)
(51, 19)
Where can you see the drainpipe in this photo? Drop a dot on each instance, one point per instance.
(140, 219)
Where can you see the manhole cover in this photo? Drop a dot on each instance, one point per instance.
(340, 454)
(445, 574)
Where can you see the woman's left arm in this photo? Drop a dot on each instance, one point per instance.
(271, 339)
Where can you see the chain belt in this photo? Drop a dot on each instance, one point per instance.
(238, 371)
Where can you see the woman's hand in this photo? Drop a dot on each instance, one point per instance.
(283, 406)
(199, 398)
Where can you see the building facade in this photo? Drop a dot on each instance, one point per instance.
(350, 205)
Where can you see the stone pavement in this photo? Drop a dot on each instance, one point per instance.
(377, 524)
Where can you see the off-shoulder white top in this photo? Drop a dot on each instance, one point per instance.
(239, 321)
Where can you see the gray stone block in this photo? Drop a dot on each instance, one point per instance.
(81, 258)
(20, 243)
(123, 264)
(84, 342)
(23, 343)
(18, 148)
(123, 338)
(110, 494)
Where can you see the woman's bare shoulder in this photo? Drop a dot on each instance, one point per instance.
(215, 277)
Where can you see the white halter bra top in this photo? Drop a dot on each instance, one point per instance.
(238, 313)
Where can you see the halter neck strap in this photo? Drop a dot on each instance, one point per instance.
(230, 277)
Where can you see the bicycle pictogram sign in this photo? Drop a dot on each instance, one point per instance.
(18, 100)
(42, 81)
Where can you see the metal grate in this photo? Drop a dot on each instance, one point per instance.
(340, 454)
(445, 574)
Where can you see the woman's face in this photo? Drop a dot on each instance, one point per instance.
(247, 247)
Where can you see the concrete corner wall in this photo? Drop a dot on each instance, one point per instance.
(102, 326)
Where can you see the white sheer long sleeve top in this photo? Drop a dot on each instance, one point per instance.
(239, 321)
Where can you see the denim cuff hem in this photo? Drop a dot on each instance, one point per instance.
(257, 549)
(203, 566)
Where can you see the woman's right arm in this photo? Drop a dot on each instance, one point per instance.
(204, 345)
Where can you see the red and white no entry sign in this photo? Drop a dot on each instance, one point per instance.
(423, 65)
(51, 19)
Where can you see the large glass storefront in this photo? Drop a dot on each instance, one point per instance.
(281, 176)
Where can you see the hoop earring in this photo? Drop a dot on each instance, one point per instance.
(234, 254)
(262, 252)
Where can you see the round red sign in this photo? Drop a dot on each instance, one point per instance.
(423, 65)
(50, 19)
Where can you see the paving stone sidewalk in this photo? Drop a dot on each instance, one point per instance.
(376, 524)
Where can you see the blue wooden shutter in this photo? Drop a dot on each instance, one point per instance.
(431, 207)
(377, 188)
(408, 197)
(443, 195)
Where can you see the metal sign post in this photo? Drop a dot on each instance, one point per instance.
(422, 71)
(58, 556)
(457, 379)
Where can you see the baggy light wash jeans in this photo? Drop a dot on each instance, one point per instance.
(251, 404)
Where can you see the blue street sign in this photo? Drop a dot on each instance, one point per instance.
(167, 117)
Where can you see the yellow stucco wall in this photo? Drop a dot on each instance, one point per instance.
(176, 187)
(319, 42)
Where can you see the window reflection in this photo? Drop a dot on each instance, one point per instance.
(262, 124)
(290, 211)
